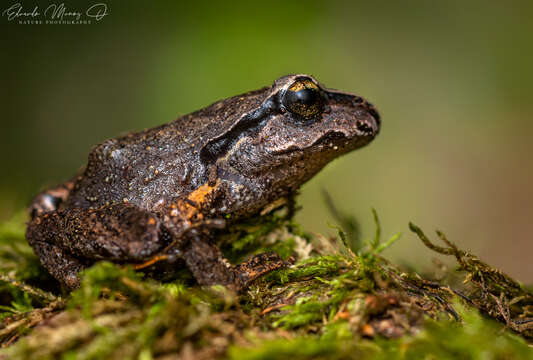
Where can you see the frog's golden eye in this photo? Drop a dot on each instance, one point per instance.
(303, 98)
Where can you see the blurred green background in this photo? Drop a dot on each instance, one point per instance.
(453, 81)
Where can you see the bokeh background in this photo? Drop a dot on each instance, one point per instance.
(453, 81)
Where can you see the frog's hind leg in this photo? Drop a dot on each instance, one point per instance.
(67, 240)
(42, 233)
(59, 263)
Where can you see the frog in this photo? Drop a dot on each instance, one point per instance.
(164, 194)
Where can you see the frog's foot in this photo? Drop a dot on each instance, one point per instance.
(60, 264)
(256, 267)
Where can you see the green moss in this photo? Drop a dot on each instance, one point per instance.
(246, 238)
(316, 266)
(20, 304)
(299, 348)
(475, 338)
(19, 270)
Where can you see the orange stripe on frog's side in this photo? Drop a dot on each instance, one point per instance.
(201, 194)
(184, 209)
(197, 201)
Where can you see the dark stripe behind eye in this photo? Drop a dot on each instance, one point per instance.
(249, 124)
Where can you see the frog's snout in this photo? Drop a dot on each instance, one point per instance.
(358, 113)
(367, 117)
(368, 120)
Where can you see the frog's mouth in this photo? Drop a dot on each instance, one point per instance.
(330, 139)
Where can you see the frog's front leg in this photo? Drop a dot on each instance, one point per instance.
(209, 266)
(193, 242)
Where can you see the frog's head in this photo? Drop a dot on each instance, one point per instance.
(312, 119)
(296, 128)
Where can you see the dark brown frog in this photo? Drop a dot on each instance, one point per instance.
(157, 195)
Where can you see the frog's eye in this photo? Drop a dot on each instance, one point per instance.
(303, 98)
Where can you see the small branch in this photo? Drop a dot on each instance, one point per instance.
(43, 295)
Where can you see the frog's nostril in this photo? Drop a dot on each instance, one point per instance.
(363, 126)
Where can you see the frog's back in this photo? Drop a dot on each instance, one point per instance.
(158, 164)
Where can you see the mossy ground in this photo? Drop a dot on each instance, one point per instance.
(340, 300)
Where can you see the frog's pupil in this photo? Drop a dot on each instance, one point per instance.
(305, 96)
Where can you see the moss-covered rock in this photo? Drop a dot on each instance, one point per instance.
(340, 300)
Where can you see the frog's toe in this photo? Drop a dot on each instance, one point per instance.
(256, 267)
(71, 281)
